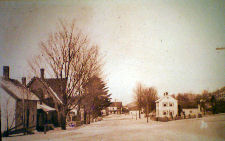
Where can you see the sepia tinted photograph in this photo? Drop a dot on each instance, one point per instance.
(112, 70)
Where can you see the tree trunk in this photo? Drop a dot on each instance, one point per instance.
(59, 118)
(27, 120)
(139, 113)
(147, 113)
(78, 112)
(89, 118)
(85, 116)
(63, 121)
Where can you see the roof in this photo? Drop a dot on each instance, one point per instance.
(15, 89)
(116, 104)
(160, 99)
(56, 84)
(45, 107)
(53, 85)
(132, 104)
(134, 108)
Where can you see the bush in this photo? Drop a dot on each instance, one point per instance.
(78, 123)
(170, 118)
(99, 118)
(178, 118)
(193, 116)
(199, 115)
(154, 118)
(163, 119)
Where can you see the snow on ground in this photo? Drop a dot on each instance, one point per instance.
(124, 128)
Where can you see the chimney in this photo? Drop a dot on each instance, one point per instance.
(6, 72)
(42, 73)
(166, 93)
(24, 81)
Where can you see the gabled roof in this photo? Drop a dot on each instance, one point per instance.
(132, 104)
(53, 85)
(164, 98)
(56, 84)
(116, 104)
(15, 89)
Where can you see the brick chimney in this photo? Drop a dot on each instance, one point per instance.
(42, 73)
(24, 81)
(166, 93)
(6, 72)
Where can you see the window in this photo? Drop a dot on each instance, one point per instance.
(164, 104)
(164, 112)
(190, 111)
(171, 104)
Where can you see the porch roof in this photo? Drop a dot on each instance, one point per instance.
(45, 107)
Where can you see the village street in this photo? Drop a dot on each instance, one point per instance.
(126, 128)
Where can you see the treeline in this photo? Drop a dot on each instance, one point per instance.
(208, 101)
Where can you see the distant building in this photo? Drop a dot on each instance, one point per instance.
(133, 109)
(115, 108)
(104, 112)
(166, 106)
(191, 111)
(18, 105)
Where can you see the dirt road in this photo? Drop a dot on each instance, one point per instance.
(124, 128)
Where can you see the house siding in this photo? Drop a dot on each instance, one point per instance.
(30, 108)
(166, 106)
(193, 111)
(8, 107)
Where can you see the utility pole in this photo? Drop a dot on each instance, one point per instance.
(221, 48)
(147, 112)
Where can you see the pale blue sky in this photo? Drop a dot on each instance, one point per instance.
(167, 44)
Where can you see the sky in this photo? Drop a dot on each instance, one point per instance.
(169, 45)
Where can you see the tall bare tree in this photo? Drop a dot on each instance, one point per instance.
(149, 98)
(145, 98)
(67, 54)
(138, 91)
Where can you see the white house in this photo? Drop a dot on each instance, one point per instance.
(166, 106)
(18, 104)
(115, 108)
(192, 111)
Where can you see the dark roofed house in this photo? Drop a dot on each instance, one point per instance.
(50, 91)
(18, 105)
(133, 109)
(115, 108)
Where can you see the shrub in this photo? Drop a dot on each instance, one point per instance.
(163, 119)
(199, 115)
(178, 118)
(154, 118)
(193, 116)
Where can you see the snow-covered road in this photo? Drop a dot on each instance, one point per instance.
(124, 128)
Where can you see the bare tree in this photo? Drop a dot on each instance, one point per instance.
(138, 97)
(149, 98)
(145, 98)
(67, 54)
